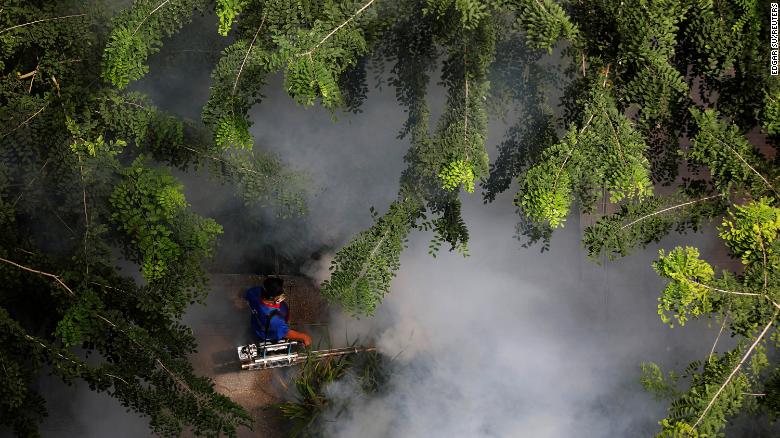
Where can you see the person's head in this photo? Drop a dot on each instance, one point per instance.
(273, 287)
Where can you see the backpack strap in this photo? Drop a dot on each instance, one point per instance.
(271, 314)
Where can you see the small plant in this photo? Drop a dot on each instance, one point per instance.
(312, 400)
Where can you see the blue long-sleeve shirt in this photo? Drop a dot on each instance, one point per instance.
(277, 327)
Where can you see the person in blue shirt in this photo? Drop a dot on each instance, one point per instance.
(270, 314)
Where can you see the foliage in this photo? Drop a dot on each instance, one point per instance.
(362, 269)
(545, 22)
(640, 224)
(684, 417)
(655, 382)
(520, 84)
(636, 79)
(145, 203)
(685, 294)
(642, 78)
(319, 46)
(745, 303)
(227, 10)
(138, 33)
(750, 230)
(86, 185)
(313, 401)
(457, 173)
(605, 151)
(729, 157)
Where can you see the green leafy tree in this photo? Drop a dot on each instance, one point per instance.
(85, 184)
(684, 83)
(320, 47)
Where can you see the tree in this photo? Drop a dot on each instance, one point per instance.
(639, 79)
(85, 184)
(671, 72)
(321, 47)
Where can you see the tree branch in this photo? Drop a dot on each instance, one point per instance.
(235, 84)
(46, 274)
(722, 326)
(150, 14)
(734, 371)
(30, 183)
(367, 263)
(763, 252)
(336, 29)
(86, 214)
(78, 364)
(668, 209)
(722, 290)
(466, 113)
(571, 151)
(173, 376)
(614, 134)
(745, 162)
(26, 121)
(40, 21)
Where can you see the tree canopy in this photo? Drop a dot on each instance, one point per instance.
(668, 113)
(84, 186)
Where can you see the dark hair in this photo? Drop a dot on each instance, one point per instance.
(272, 287)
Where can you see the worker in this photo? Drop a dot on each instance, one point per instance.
(270, 314)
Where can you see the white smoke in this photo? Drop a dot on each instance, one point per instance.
(318, 270)
(513, 343)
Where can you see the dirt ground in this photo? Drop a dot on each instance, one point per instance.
(223, 324)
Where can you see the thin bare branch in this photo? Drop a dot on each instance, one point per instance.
(131, 103)
(26, 252)
(103, 318)
(56, 85)
(367, 263)
(40, 21)
(466, 113)
(746, 163)
(150, 14)
(30, 183)
(86, 214)
(249, 50)
(763, 252)
(54, 211)
(722, 326)
(220, 160)
(117, 377)
(571, 151)
(723, 290)
(614, 134)
(78, 364)
(46, 274)
(734, 371)
(664, 210)
(27, 120)
(108, 287)
(336, 29)
(34, 74)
